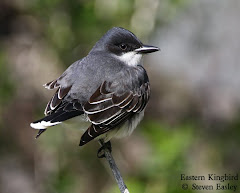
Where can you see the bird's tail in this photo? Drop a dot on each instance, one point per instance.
(53, 119)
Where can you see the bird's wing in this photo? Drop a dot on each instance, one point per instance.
(106, 109)
(58, 108)
(61, 106)
(57, 98)
(63, 86)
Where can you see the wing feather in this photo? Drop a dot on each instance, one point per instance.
(107, 109)
(62, 92)
(101, 117)
(51, 85)
(93, 108)
(101, 95)
(56, 100)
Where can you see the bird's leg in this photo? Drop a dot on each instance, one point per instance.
(101, 152)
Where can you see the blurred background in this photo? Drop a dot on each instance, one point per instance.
(192, 121)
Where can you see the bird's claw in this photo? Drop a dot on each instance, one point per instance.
(101, 152)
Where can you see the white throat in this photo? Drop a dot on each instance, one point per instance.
(131, 58)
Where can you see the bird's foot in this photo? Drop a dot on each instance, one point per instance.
(101, 152)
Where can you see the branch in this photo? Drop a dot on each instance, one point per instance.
(115, 170)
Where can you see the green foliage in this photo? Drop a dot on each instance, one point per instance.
(64, 181)
(168, 145)
(6, 83)
(65, 24)
(161, 170)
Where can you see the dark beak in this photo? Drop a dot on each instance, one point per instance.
(145, 49)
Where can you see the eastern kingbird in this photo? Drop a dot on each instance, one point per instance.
(109, 88)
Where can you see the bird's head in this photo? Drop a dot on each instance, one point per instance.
(124, 45)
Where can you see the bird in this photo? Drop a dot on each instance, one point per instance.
(109, 89)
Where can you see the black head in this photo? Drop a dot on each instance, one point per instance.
(120, 41)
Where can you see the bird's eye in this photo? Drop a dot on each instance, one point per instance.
(123, 46)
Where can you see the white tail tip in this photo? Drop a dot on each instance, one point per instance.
(43, 124)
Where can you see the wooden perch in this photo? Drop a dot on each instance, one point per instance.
(117, 175)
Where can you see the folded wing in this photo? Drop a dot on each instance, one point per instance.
(107, 108)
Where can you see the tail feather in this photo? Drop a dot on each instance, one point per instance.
(40, 132)
(46, 121)
(53, 119)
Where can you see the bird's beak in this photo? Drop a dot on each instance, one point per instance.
(145, 49)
